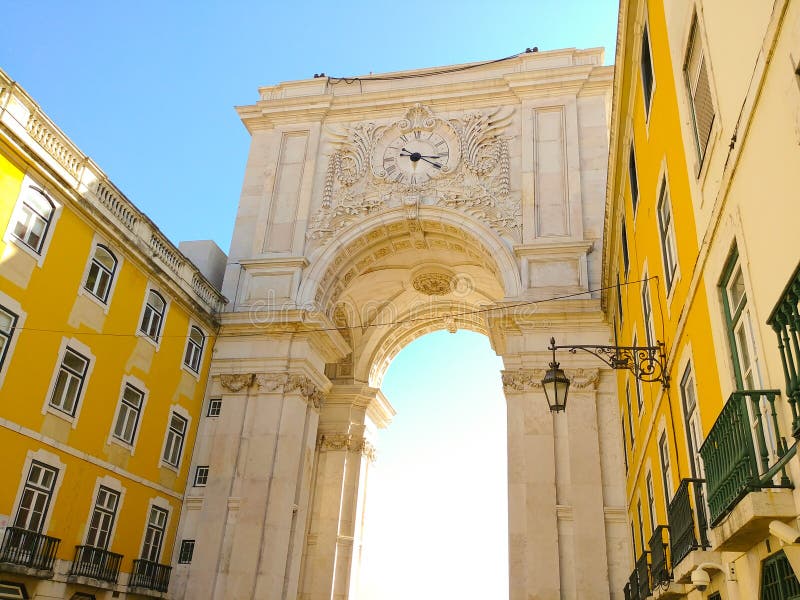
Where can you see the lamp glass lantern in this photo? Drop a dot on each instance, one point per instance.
(556, 386)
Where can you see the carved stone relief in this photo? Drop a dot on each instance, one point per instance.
(526, 380)
(283, 383)
(346, 442)
(236, 382)
(479, 184)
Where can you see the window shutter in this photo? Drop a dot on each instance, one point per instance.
(703, 108)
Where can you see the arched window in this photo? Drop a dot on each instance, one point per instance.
(101, 273)
(153, 315)
(194, 349)
(33, 218)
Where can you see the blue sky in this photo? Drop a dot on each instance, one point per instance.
(147, 89)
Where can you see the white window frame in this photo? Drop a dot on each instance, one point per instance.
(138, 384)
(651, 500)
(145, 304)
(647, 311)
(690, 87)
(161, 504)
(665, 465)
(666, 234)
(114, 485)
(648, 101)
(200, 353)
(103, 511)
(186, 543)
(51, 460)
(200, 473)
(211, 406)
(10, 237)
(82, 349)
(633, 179)
(105, 305)
(12, 306)
(184, 414)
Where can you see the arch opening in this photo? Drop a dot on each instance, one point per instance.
(437, 498)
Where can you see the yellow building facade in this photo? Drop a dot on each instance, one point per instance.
(701, 234)
(106, 331)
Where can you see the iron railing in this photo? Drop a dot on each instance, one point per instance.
(96, 563)
(150, 575)
(688, 524)
(643, 576)
(785, 321)
(632, 587)
(28, 549)
(742, 445)
(660, 573)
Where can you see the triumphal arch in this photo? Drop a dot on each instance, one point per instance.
(375, 210)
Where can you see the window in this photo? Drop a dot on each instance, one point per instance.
(69, 383)
(102, 521)
(666, 472)
(638, 384)
(630, 410)
(154, 535)
(194, 349)
(36, 496)
(740, 330)
(624, 444)
(101, 273)
(619, 302)
(175, 436)
(641, 523)
(647, 312)
(626, 261)
(33, 218)
(778, 581)
(201, 476)
(153, 315)
(214, 407)
(648, 77)
(186, 553)
(666, 231)
(10, 590)
(691, 421)
(695, 72)
(8, 321)
(130, 408)
(651, 501)
(634, 179)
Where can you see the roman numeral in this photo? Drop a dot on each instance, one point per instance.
(417, 135)
(404, 138)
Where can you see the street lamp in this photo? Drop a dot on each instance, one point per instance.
(645, 362)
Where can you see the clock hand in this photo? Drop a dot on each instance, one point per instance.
(417, 153)
(430, 162)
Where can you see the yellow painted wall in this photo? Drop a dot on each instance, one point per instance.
(51, 301)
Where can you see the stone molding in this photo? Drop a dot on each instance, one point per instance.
(235, 382)
(528, 380)
(346, 442)
(284, 383)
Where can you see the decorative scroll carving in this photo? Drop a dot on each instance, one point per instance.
(583, 379)
(479, 185)
(234, 382)
(522, 380)
(286, 383)
(346, 442)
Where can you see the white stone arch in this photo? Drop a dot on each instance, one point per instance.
(323, 257)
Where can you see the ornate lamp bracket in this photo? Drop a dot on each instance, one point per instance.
(645, 362)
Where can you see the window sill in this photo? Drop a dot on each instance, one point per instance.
(121, 443)
(82, 291)
(10, 239)
(190, 371)
(49, 409)
(165, 465)
(156, 343)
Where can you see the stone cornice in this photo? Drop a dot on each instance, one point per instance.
(280, 383)
(519, 381)
(346, 442)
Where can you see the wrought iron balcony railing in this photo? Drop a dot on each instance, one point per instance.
(96, 563)
(688, 524)
(743, 451)
(632, 587)
(660, 573)
(643, 576)
(150, 575)
(28, 549)
(785, 321)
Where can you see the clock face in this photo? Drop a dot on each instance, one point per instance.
(415, 157)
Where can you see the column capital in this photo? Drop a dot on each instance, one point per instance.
(347, 442)
(282, 383)
(522, 380)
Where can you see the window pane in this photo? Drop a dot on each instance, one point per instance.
(736, 293)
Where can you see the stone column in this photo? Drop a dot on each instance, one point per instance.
(533, 527)
(344, 452)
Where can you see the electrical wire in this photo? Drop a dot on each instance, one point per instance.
(293, 327)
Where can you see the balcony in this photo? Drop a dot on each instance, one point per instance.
(688, 525)
(785, 321)
(745, 461)
(659, 564)
(149, 575)
(28, 552)
(95, 563)
(638, 586)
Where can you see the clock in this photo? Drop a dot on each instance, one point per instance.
(416, 156)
